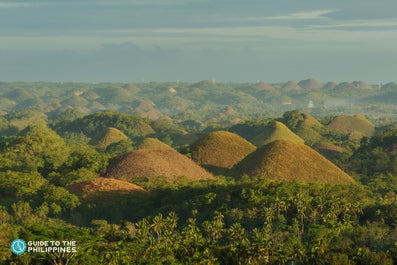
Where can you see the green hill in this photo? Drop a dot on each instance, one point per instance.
(220, 150)
(288, 160)
(275, 131)
(107, 137)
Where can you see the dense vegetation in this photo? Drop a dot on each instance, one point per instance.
(47, 154)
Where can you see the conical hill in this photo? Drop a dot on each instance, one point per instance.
(149, 163)
(220, 150)
(93, 186)
(356, 125)
(153, 143)
(107, 137)
(310, 84)
(288, 160)
(275, 131)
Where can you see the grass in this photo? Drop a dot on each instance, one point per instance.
(289, 160)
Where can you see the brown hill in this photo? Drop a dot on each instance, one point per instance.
(220, 150)
(93, 186)
(329, 150)
(291, 86)
(149, 163)
(310, 84)
(361, 85)
(107, 137)
(153, 143)
(265, 87)
(288, 160)
(330, 85)
(275, 131)
(356, 125)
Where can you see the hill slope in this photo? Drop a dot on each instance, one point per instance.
(107, 137)
(96, 185)
(220, 149)
(288, 160)
(149, 163)
(356, 125)
(275, 131)
(153, 143)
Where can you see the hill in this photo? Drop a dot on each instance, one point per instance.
(149, 163)
(310, 84)
(107, 137)
(329, 150)
(153, 143)
(355, 126)
(275, 131)
(288, 160)
(291, 86)
(220, 150)
(304, 125)
(93, 186)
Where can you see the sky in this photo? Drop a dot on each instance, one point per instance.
(193, 40)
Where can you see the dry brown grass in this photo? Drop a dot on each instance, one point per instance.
(356, 125)
(329, 150)
(220, 149)
(107, 137)
(93, 186)
(149, 163)
(153, 143)
(310, 84)
(288, 160)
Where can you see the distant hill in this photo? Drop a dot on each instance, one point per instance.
(275, 131)
(330, 85)
(310, 84)
(153, 143)
(356, 126)
(291, 86)
(220, 150)
(289, 160)
(149, 163)
(107, 137)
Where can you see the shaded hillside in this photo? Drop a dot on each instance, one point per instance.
(275, 131)
(153, 143)
(291, 86)
(149, 163)
(356, 125)
(107, 137)
(220, 150)
(288, 160)
(304, 125)
(329, 150)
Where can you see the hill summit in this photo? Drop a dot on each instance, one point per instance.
(356, 125)
(153, 143)
(220, 150)
(149, 163)
(288, 160)
(107, 137)
(275, 131)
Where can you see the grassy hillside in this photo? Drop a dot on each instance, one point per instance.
(107, 137)
(153, 143)
(220, 150)
(288, 160)
(275, 131)
(356, 125)
(150, 163)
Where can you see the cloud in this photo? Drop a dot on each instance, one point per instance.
(316, 14)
